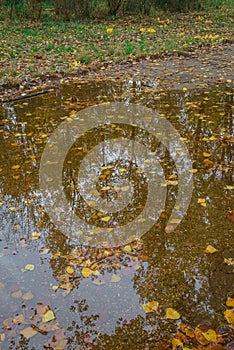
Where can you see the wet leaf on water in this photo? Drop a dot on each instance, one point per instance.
(230, 302)
(98, 282)
(106, 218)
(19, 319)
(172, 314)
(86, 272)
(193, 171)
(48, 316)
(200, 337)
(202, 201)
(229, 315)
(210, 249)
(28, 332)
(16, 295)
(29, 267)
(205, 154)
(229, 261)
(70, 270)
(27, 296)
(175, 343)
(15, 167)
(2, 337)
(229, 187)
(127, 249)
(151, 306)
(210, 335)
(35, 236)
(115, 278)
(184, 328)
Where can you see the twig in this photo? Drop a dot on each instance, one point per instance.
(27, 96)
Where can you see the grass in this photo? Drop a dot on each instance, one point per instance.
(30, 50)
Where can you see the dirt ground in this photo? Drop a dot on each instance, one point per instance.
(207, 66)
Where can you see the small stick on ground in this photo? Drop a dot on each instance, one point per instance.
(27, 96)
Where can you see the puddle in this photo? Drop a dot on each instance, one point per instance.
(104, 310)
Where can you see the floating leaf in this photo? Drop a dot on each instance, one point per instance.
(175, 343)
(210, 335)
(193, 171)
(172, 314)
(230, 302)
(106, 218)
(229, 187)
(210, 249)
(27, 296)
(205, 154)
(86, 272)
(202, 201)
(229, 315)
(16, 295)
(151, 306)
(15, 167)
(29, 267)
(48, 316)
(28, 332)
(70, 270)
(115, 278)
(127, 249)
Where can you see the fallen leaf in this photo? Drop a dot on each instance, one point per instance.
(210, 335)
(230, 302)
(27, 296)
(28, 332)
(115, 278)
(70, 270)
(106, 218)
(172, 314)
(229, 315)
(16, 295)
(86, 272)
(210, 249)
(48, 316)
(29, 267)
(151, 306)
(205, 154)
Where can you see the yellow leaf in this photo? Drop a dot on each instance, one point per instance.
(122, 170)
(56, 255)
(175, 343)
(127, 249)
(12, 208)
(205, 154)
(210, 335)
(151, 30)
(48, 316)
(115, 278)
(86, 272)
(229, 315)
(29, 267)
(17, 294)
(193, 171)
(212, 138)
(70, 270)
(230, 301)
(109, 30)
(172, 314)
(27, 296)
(151, 306)
(106, 218)
(229, 187)
(210, 249)
(28, 332)
(15, 167)
(142, 30)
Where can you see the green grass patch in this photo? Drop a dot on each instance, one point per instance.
(56, 46)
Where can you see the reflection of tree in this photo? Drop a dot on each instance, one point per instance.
(82, 331)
